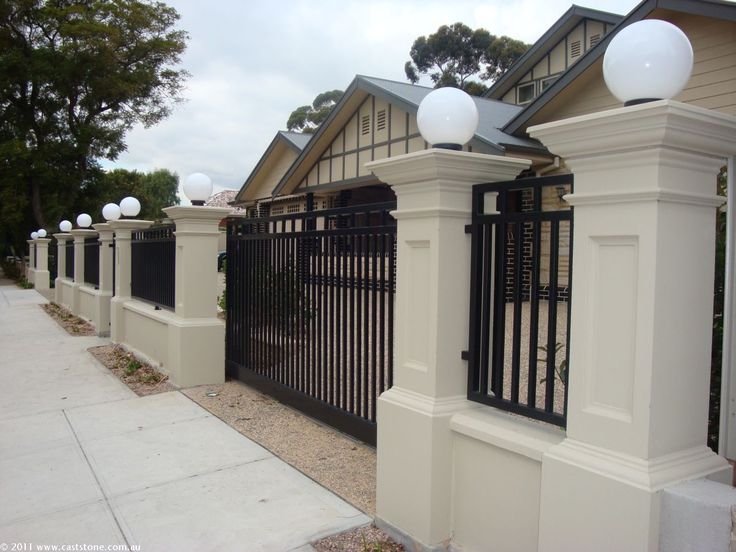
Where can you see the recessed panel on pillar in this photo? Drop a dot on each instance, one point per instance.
(612, 347)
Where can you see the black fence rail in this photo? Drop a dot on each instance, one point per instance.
(521, 265)
(153, 253)
(92, 262)
(310, 313)
(53, 264)
(69, 260)
(35, 256)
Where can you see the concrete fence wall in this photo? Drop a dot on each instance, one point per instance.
(189, 343)
(454, 474)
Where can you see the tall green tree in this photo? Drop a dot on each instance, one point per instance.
(307, 118)
(155, 190)
(75, 76)
(457, 55)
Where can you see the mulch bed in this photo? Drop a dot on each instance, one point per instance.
(142, 378)
(72, 324)
(361, 539)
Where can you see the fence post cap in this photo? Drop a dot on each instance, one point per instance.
(178, 212)
(127, 224)
(62, 236)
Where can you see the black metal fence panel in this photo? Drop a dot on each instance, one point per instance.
(153, 261)
(310, 310)
(53, 264)
(69, 262)
(521, 269)
(92, 262)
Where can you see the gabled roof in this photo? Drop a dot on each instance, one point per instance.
(569, 20)
(493, 115)
(718, 9)
(294, 140)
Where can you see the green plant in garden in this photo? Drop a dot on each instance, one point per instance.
(132, 367)
(561, 370)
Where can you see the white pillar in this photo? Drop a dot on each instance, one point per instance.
(197, 336)
(123, 232)
(433, 192)
(42, 277)
(79, 236)
(103, 294)
(61, 279)
(641, 320)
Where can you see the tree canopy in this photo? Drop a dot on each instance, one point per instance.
(155, 190)
(307, 118)
(75, 76)
(456, 55)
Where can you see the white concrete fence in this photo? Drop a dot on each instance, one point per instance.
(456, 474)
(188, 343)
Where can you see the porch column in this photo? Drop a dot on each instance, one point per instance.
(42, 277)
(61, 239)
(123, 233)
(641, 320)
(79, 236)
(415, 447)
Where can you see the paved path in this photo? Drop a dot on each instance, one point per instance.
(83, 460)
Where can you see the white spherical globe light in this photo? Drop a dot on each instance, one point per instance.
(111, 211)
(65, 225)
(447, 117)
(34, 235)
(84, 220)
(41, 233)
(198, 188)
(130, 206)
(648, 60)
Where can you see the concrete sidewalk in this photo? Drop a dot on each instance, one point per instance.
(83, 460)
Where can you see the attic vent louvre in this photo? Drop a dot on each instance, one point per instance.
(365, 124)
(381, 120)
(575, 48)
(594, 39)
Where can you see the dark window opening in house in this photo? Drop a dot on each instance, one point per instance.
(365, 125)
(525, 93)
(575, 48)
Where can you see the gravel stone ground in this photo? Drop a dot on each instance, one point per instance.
(142, 378)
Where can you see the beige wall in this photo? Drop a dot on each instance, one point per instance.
(712, 85)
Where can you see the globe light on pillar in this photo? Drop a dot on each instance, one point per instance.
(41, 233)
(111, 212)
(198, 188)
(65, 225)
(130, 206)
(84, 220)
(447, 118)
(646, 61)
(34, 235)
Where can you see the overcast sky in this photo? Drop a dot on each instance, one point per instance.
(253, 62)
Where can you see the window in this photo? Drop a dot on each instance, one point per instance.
(575, 49)
(546, 83)
(525, 93)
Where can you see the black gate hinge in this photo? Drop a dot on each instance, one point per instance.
(468, 228)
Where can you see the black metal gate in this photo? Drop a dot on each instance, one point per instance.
(521, 269)
(310, 309)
